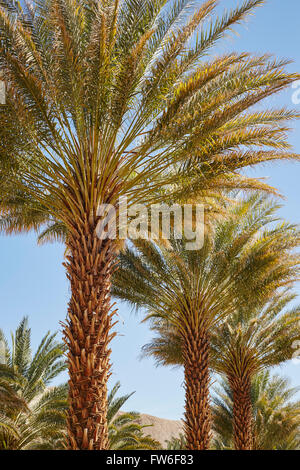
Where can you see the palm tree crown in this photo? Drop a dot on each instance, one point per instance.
(103, 96)
(244, 252)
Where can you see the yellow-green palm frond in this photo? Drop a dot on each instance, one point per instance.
(243, 261)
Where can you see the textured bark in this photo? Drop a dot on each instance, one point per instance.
(197, 379)
(87, 335)
(242, 412)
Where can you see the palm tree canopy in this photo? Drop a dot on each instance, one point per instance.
(245, 260)
(106, 98)
(276, 414)
(255, 339)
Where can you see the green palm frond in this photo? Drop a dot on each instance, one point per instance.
(125, 432)
(240, 262)
(32, 416)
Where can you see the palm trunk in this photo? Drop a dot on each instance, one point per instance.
(197, 378)
(87, 335)
(242, 412)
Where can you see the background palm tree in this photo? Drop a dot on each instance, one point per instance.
(9, 400)
(108, 99)
(188, 293)
(250, 341)
(38, 421)
(276, 417)
(33, 414)
(256, 415)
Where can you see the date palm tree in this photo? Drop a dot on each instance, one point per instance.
(9, 399)
(109, 98)
(187, 294)
(246, 343)
(276, 417)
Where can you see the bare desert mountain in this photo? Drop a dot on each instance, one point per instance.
(161, 429)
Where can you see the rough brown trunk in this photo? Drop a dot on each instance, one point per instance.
(87, 335)
(242, 412)
(197, 378)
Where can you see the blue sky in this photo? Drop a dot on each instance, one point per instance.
(32, 279)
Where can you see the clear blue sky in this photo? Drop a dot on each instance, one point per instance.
(32, 279)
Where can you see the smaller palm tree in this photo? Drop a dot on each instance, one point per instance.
(36, 419)
(276, 416)
(245, 344)
(124, 430)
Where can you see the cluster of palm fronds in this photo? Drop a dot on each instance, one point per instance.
(108, 99)
(33, 413)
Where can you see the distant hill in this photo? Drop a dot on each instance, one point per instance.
(160, 429)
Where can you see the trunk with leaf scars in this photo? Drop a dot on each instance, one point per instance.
(197, 378)
(242, 412)
(87, 335)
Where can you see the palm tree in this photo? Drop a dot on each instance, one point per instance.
(39, 422)
(276, 421)
(108, 99)
(246, 343)
(188, 293)
(9, 398)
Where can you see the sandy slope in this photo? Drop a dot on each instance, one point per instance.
(161, 429)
